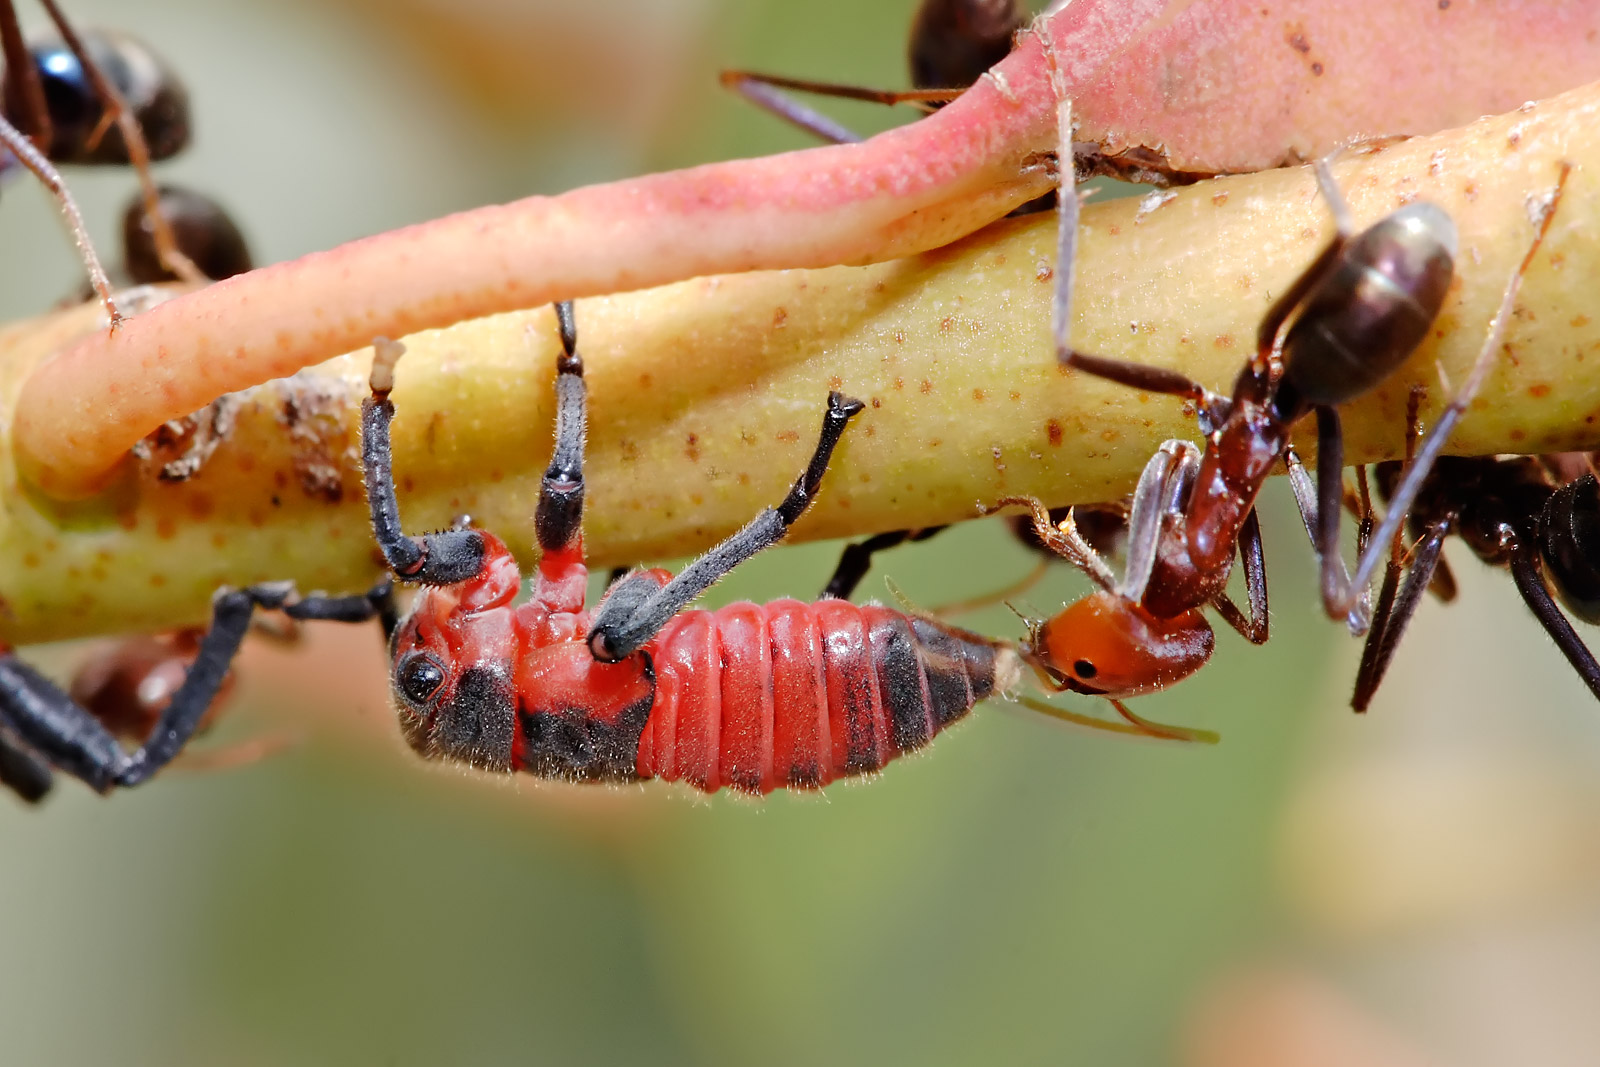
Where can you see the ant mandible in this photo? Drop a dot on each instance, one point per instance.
(1342, 327)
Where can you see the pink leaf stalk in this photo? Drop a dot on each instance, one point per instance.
(1208, 85)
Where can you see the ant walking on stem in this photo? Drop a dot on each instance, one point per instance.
(1342, 327)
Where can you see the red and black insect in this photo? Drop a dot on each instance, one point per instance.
(1348, 322)
(752, 697)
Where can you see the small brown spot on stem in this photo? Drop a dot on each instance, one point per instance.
(979, 395)
(1539, 390)
(1052, 431)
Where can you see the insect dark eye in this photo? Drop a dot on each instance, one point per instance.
(1084, 669)
(419, 677)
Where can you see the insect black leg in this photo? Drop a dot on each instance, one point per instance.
(1525, 570)
(13, 141)
(376, 603)
(635, 610)
(856, 559)
(1254, 627)
(1397, 603)
(48, 727)
(558, 521)
(442, 558)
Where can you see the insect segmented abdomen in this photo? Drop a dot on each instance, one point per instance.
(796, 695)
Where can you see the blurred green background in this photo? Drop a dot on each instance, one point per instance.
(1021, 893)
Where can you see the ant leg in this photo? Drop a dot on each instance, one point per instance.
(766, 91)
(1277, 316)
(1330, 506)
(1525, 570)
(133, 139)
(442, 558)
(1064, 540)
(1359, 616)
(22, 88)
(1163, 487)
(856, 559)
(13, 141)
(637, 607)
(1254, 627)
(1395, 608)
(1417, 472)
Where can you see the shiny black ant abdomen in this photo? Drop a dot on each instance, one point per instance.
(80, 132)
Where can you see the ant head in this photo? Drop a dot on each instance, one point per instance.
(1105, 645)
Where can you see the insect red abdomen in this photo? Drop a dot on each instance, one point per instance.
(796, 695)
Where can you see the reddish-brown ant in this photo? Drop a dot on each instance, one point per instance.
(1348, 322)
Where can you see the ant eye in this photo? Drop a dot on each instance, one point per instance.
(1084, 669)
(419, 677)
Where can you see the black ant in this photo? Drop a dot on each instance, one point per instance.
(105, 98)
(1537, 516)
(1342, 327)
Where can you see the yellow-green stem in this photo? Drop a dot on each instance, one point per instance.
(706, 397)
